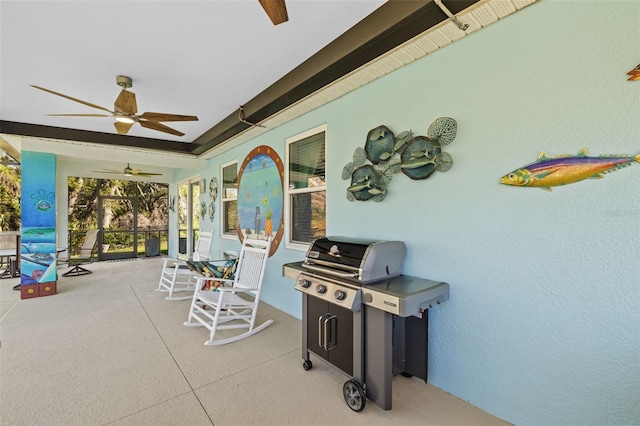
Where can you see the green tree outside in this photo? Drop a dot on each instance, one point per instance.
(9, 194)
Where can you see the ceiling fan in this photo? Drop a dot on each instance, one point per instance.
(125, 111)
(276, 10)
(128, 171)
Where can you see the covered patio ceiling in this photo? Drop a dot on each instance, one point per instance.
(222, 61)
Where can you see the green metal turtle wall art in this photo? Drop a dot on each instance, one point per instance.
(385, 154)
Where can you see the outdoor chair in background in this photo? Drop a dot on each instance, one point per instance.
(233, 305)
(9, 254)
(176, 275)
(84, 255)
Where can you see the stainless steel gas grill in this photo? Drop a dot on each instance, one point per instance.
(362, 316)
(364, 260)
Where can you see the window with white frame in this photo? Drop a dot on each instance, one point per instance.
(229, 199)
(306, 188)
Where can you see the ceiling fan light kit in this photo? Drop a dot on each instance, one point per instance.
(125, 111)
(124, 119)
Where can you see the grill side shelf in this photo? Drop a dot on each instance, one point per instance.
(405, 296)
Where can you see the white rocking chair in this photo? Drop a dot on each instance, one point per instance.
(224, 308)
(177, 277)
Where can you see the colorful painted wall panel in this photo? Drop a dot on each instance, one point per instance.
(38, 234)
(260, 196)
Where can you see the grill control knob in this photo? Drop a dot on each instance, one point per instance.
(305, 283)
(321, 288)
(339, 295)
(368, 297)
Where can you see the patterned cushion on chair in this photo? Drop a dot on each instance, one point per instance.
(210, 269)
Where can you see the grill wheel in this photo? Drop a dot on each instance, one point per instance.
(354, 395)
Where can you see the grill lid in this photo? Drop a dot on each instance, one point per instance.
(361, 259)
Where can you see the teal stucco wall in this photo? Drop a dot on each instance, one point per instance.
(542, 324)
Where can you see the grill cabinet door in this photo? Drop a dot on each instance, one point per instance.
(330, 333)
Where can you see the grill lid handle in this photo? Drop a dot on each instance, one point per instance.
(329, 271)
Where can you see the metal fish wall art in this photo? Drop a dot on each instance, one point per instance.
(549, 171)
(385, 154)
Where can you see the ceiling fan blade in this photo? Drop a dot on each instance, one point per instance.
(276, 10)
(145, 174)
(161, 117)
(126, 102)
(122, 128)
(72, 98)
(160, 127)
(107, 171)
(80, 115)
